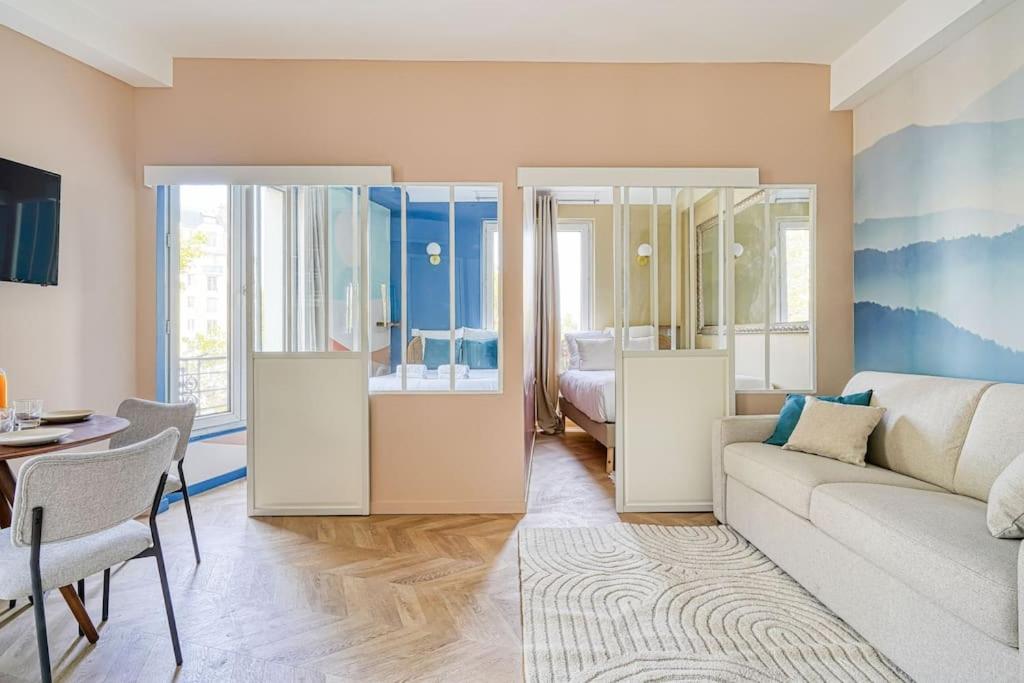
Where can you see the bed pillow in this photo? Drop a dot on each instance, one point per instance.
(1006, 501)
(834, 430)
(477, 334)
(571, 339)
(597, 353)
(436, 352)
(794, 406)
(480, 355)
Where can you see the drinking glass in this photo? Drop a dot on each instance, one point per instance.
(28, 412)
(6, 420)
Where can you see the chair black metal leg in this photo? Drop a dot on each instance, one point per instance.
(106, 593)
(42, 643)
(81, 596)
(159, 554)
(188, 509)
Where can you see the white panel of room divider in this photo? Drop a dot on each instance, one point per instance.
(308, 427)
(670, 400)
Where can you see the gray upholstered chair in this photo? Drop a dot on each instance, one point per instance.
(73, 516)
(148, 418)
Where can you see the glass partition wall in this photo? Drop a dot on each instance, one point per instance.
(771, 259)
(432, 284)
(435, 258)
(676, 278)
(305, 266)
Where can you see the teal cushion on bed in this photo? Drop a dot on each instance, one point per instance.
(436, 352)
(480, 354)
(794, 407)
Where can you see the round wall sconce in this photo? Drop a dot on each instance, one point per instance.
(643, 254)
(434, 253)
(737, 249)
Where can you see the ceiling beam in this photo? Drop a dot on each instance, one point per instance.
(915, 32)
(68, 27)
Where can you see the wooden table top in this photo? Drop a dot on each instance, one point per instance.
(96, 428)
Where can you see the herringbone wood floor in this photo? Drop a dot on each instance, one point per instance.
(381, 598)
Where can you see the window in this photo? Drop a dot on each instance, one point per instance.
(794, 283)
(490, 283)
(575, 265)
(204, 361)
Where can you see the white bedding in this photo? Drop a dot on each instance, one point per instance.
(478, 380)
(592, 391)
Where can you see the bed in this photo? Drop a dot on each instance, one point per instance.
(386, 377)
(588, 396)
(478, 380)
(588, 399)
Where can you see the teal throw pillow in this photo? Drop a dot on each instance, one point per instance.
(794, 407)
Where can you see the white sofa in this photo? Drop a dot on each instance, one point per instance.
(899, 549)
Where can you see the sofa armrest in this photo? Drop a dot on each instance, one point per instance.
(727, 430)
(1020, 607)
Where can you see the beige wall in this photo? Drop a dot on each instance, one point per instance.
(479, 122)
(73, 345)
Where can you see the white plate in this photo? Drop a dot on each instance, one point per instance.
(60, 416)
(34, 437)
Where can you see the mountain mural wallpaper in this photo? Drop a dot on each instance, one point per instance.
(939, 215)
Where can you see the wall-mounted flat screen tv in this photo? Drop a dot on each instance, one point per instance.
(29, 224)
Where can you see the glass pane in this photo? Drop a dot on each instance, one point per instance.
(752, 294)
(385, 224)
(639, 262)
(271, 245)
(429, 259)
(309, 270)
(708, 218)
(685, 289)
(477, 273)
(343, 263)
(204, 296)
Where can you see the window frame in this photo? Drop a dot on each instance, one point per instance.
(490, 235)
(235, 282)
(782, 227)
(585, 227)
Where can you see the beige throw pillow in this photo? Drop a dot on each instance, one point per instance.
(1006, 501)
(834, 430)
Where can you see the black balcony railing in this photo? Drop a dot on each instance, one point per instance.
(205, 381)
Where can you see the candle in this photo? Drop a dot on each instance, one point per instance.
(3, 389)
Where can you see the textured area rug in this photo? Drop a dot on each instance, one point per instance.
(658, 603)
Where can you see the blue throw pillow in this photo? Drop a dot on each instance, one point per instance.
(794, 407)
(480, 354)
(436, 352)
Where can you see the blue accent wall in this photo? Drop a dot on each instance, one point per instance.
(427, 222)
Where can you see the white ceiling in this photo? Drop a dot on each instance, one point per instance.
(815, 31)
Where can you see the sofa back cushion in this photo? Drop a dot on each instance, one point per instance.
(995, 438)
(925, 423)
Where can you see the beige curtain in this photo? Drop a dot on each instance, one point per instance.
(548, 343)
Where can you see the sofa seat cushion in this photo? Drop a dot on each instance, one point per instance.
(935, 542)
(789, 477)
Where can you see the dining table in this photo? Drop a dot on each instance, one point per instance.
(95, 428)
